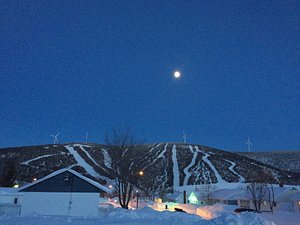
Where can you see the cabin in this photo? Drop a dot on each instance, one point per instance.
(63, 192)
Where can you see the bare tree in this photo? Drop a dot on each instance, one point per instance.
(147, 186)
(258, 192)
(125, 166)
(261, 187)
(271, 197)
(269, 180)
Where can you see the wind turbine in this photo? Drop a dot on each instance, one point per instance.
(249, 143)
(86, 136)
(55, 141)
(184, 137)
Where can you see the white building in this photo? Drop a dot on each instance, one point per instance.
(10, 202)
(64, 192)
(283, 198)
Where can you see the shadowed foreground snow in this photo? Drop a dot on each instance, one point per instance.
(146, 216)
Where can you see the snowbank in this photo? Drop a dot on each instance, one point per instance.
(145, 216)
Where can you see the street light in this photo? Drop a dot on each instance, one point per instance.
(140, 173)
(137, 199)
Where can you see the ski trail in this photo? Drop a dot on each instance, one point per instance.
(37, 158)
(186, 170)
(107, 158)
(88, 155)
(165, 172)
(80, 161)
(205, 159)
(161, 155)
(231, 168)
(163, 178)
(175, 168)
(154, 147)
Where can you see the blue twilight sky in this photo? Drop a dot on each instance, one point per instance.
(76, 66)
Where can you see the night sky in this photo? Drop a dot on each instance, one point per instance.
(78, 66)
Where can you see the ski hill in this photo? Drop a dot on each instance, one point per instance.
(285, 160)
(165, 165)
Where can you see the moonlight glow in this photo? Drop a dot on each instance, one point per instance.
(177, 74)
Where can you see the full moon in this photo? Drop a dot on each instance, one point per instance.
(177, 74)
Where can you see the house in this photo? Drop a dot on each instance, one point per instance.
(242, 198)
(174, 197)
(64, 192)
(9, 202)
(224, 196)
(296, 202)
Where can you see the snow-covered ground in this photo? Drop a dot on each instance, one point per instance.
(146, 216)
(283, 218)
(221, 215)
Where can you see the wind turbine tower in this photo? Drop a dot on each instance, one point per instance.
(249, 143)
(86, 137)
(55, 138)
(184, 137)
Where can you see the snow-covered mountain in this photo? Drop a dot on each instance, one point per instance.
(285, 160)
(165, 165)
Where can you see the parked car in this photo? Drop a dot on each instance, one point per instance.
(179, 210)
(240, 210)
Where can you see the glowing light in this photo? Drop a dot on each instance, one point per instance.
(34, 179)
(110, 186)
(158, 200)
(141, 173)
(193, 199)
(16, 186)
(177, 74)
(205, 214)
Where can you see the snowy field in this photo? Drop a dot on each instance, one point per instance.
(148, 216)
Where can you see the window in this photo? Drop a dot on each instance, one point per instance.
(245, 204)
(16, 201)
(232, 202)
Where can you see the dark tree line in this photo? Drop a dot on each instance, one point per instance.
(8, 173)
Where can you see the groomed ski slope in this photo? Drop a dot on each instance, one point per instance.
(80, 161)
(186, 170)
(37, 158)
(231, 168)
(205, 159)
(175, 168)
